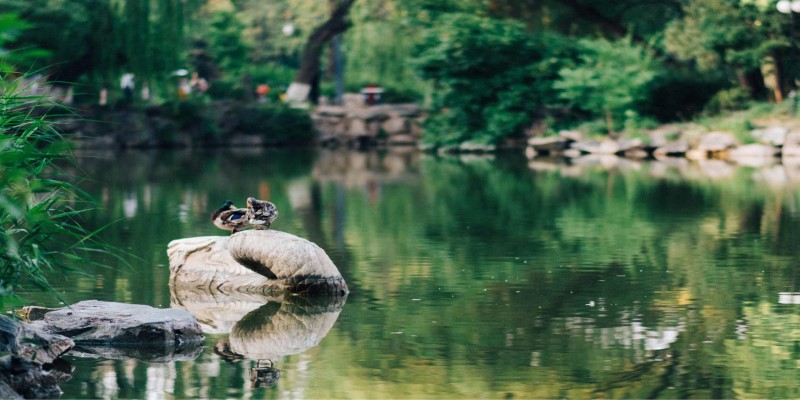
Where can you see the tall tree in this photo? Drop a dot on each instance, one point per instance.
(308, 75)
(733, 36)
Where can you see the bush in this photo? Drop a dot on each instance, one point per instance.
(680, 95)
(278, 124)
(610, 79)
(192, 116)
(731, 99)
(489, 77)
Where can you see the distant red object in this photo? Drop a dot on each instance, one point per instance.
(262, 90)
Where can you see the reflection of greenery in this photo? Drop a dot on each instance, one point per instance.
(623, 236)
(764, 359)
(476, 278)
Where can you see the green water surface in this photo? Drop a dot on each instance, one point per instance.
(471, 277)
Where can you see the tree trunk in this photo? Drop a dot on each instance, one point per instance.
(301, 87)
(771, 73)
(610, 123)
(753, 81)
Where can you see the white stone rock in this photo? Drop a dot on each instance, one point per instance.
(266, 261)
(396, 125)
(356, 127)
(548, 144)
(741, 154)
(716, 142)
(773, 135)
(600, 147)
(671, 149)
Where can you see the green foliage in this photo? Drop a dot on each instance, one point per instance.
(489, 77)
(609, 80)
(725, 32)
(191, 115)
(680, 94)
(226, 45)
(371, 59)
(11, 27)
(39, 228)
(95, 41)
(729, 100)
(278, 124)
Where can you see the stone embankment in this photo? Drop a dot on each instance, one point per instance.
(764, 145)
(357, 124)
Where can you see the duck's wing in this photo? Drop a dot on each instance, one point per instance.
(261, 211)
(233, 215)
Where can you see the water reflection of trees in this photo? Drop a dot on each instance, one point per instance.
(597, 278)
(701, 238)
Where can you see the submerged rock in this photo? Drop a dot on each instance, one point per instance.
(256, 261)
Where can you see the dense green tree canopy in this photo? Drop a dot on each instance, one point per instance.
(487, 68)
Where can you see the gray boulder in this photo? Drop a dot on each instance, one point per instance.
(25, 372)
(98, 323)
(673, 149)
(28, 342)
(22, 378)
(715, 143)
(608, 146)
(549, 144)
(773, 135)
(599, 147)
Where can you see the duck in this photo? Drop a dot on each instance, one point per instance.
(260, 213)
(230, 218)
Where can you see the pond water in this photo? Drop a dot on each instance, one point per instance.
(476, 277)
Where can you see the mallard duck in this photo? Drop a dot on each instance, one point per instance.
(230, 218)
(260, 213)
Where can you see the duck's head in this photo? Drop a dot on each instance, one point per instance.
(227, 205)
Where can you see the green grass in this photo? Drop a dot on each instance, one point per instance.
(40, 232)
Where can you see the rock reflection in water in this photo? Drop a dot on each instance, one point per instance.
(767, 171)
(150, 355)
(261, 327)
(280, 329)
